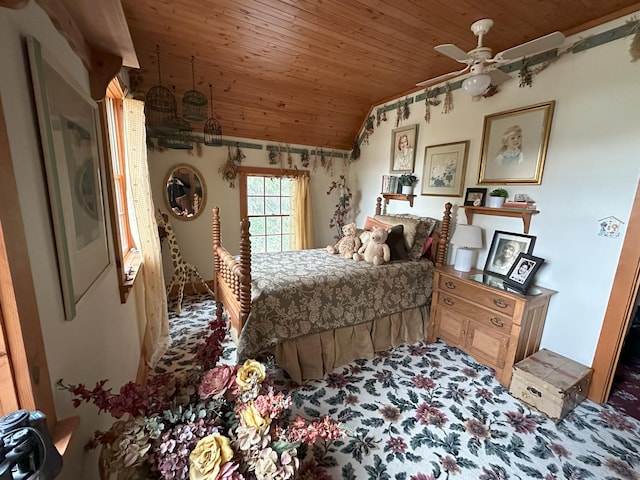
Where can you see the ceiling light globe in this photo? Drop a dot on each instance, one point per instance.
(476, 84)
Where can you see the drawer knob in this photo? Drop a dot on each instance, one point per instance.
(448, 301)
(499, 303)
(450, 284)
(497, 322)
(534, 391)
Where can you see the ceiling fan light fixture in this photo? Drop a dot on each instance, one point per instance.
(476, 84)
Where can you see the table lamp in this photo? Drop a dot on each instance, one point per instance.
(466, 238)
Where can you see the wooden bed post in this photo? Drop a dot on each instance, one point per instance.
(215, 227)
(245, 272)
(379, 206)
(441, 255)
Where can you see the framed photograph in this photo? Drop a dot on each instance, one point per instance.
(403, 149)
(504, 250)
(514, 145)
(69, 133)
(520, 275)
(475, 197)
(444, 169)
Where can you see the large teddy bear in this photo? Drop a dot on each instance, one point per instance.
(375, 250)
(348, 244)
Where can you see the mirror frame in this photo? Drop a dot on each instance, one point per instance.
(194, 172)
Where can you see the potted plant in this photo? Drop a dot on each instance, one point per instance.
(497, 197)
(407, 180)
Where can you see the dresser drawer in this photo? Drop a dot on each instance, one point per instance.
(488, 297)
(501, 323)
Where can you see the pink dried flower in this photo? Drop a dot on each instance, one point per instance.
(217, 381)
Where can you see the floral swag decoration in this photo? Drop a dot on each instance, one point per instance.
(225, 423)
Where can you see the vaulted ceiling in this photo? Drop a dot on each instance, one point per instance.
(308, 71)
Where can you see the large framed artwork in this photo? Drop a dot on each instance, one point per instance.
(514, 145)
(68, 121)
(444, 169)
(403, 149)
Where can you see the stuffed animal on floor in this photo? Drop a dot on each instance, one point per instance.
(375, 250)
(348, 244)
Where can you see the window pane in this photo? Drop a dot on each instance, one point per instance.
(258, 244)
(286, 186)
(285, 242)
(286, 205)
(272, 205)
(257, 226)
(273, 225)
(255, 186)
(286, 225)
(255, 205)
(273, 243)
(272, 186)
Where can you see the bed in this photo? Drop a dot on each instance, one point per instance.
(314, 311)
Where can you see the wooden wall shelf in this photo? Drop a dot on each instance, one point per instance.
(398, 196)
(501, 212)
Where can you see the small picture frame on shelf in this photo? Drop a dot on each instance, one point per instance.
(521, 273)
(475, 197)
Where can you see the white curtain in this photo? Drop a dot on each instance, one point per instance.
(142, 216)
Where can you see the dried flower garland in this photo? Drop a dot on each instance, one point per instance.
(229, 170)
(342, 207)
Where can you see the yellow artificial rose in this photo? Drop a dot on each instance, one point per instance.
(252, 417)
(209, 455)
(250, 372)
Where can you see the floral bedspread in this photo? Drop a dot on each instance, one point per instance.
(301, 292)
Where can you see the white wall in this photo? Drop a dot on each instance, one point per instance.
(591, 172)
(103, 340)
(194, 236)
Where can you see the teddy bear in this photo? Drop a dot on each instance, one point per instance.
(348, 244)
(375, 250)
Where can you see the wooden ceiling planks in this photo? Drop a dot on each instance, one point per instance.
(307, 72)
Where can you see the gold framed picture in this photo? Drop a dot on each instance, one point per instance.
(444, 169)
(514, 145)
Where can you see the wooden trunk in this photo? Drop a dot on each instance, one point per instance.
(550, 383)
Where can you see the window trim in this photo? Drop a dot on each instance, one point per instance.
(127, 263)
(244, 172)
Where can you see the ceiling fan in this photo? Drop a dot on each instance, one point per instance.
(482, 69)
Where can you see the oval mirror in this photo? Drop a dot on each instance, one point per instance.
(184, 192)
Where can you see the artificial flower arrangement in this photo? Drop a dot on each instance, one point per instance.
(221, 423)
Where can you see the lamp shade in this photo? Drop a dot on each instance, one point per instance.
(467, 236)
(476, 84)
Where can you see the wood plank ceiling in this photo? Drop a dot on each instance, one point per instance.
(308, 71)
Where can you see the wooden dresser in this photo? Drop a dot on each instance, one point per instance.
(496, 327)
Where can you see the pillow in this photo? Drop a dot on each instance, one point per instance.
(409, 227)
(424, 227)
(370, 223)
(395, 240)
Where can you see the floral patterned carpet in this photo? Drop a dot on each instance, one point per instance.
(428, 411)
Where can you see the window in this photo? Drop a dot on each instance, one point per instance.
(265, 199)
(127, 256)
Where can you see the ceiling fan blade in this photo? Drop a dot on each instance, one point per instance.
(498, 76)
(541, 44)
(440, 78)
(451, 51)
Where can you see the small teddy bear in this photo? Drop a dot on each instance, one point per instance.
(375, 250)
(348, 244)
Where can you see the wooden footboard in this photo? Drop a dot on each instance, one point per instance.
(231, 277)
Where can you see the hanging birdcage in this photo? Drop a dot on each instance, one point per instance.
(176, 134)
(194, 103)
(159, 103)
(212, 128)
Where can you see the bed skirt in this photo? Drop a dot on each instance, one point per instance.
(315, 355)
